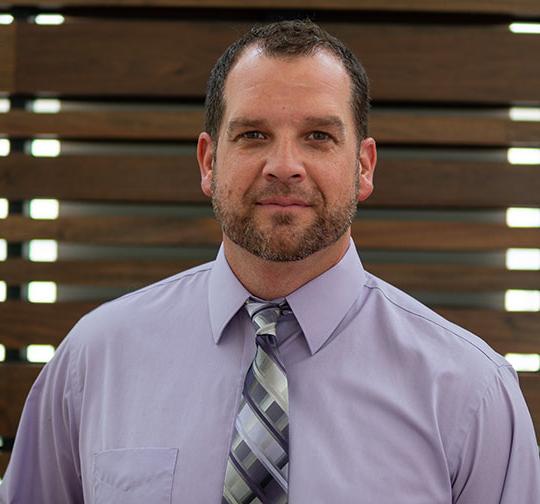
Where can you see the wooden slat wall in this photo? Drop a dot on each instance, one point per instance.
(131, 75)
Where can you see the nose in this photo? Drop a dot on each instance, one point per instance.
(285, 163)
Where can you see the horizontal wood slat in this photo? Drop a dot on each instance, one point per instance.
(165, 178)
(504, 331)
(7, 57)
(368, 234)
(530, 386)
(135, 273)
(4, 459)
(16, 380)
(436, 127)
(23, 323)
(430, 62)
(514, 7)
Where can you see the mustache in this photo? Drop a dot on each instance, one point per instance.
(279, 188)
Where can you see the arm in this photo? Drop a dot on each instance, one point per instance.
(44, 466)
(499, 461)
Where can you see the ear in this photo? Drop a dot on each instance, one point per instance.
(205, 157)
(368, 160)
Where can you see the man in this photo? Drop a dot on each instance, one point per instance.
(281, 372)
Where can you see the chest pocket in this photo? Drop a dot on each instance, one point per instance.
(134, 475)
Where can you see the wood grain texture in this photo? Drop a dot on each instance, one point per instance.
(430, 62)
(7, 57)
(175, 179)
(530, 386)
(23, 324)
(15, 382)
(504, 331)
(514, 7)
(136, 273)
(368, 234)
(407, 127)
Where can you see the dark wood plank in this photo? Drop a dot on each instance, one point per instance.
(505, 331)
(135, 273)
(23, 324)
(399, 182)
(530, 386)
(514, 7)
(4, 460)
(15, 382)
(103, 178)
(446, 183)
(406, 62)
(408, 127)
(369, 234)
(7, 57)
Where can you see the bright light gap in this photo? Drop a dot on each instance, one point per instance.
(523, 259)
(42, 292)
(524, 362)
(49, 19)
(45, 106)
(525, 114)
(523, 217)
(41, 208)
(5, 147)
(43, 250)
(45, 148)
(6, 19)
(529, 28)
(523, 156)
(516, 300)
(39, 353)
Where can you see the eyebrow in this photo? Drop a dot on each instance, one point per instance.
(330, 121)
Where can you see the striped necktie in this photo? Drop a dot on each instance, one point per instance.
(258, 464)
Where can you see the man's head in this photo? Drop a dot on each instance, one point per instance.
(285, 158)
(281, 40)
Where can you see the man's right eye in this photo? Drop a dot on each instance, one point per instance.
(252, 135)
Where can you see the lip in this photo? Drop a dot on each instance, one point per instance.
(283, 201)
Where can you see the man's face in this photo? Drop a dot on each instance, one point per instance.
(285, 177)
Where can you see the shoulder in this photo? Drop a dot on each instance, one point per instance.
(146, 310)
(413, 324)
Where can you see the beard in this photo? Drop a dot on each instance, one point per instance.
(283, 240)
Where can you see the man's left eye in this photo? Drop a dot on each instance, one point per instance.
(319, 135)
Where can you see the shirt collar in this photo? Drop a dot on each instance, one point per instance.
(319, 305)
(322, 303)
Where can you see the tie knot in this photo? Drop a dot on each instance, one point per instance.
(265, 315)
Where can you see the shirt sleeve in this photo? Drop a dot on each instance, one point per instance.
(499, 461)
(44, 466)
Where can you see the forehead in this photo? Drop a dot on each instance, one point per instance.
(292, 85)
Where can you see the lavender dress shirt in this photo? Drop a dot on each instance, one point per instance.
(389, 403)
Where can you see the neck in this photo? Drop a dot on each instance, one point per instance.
(270, 279)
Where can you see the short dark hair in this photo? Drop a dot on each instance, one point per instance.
(287, 39)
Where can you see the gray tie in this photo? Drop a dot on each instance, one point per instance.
(258, 464)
